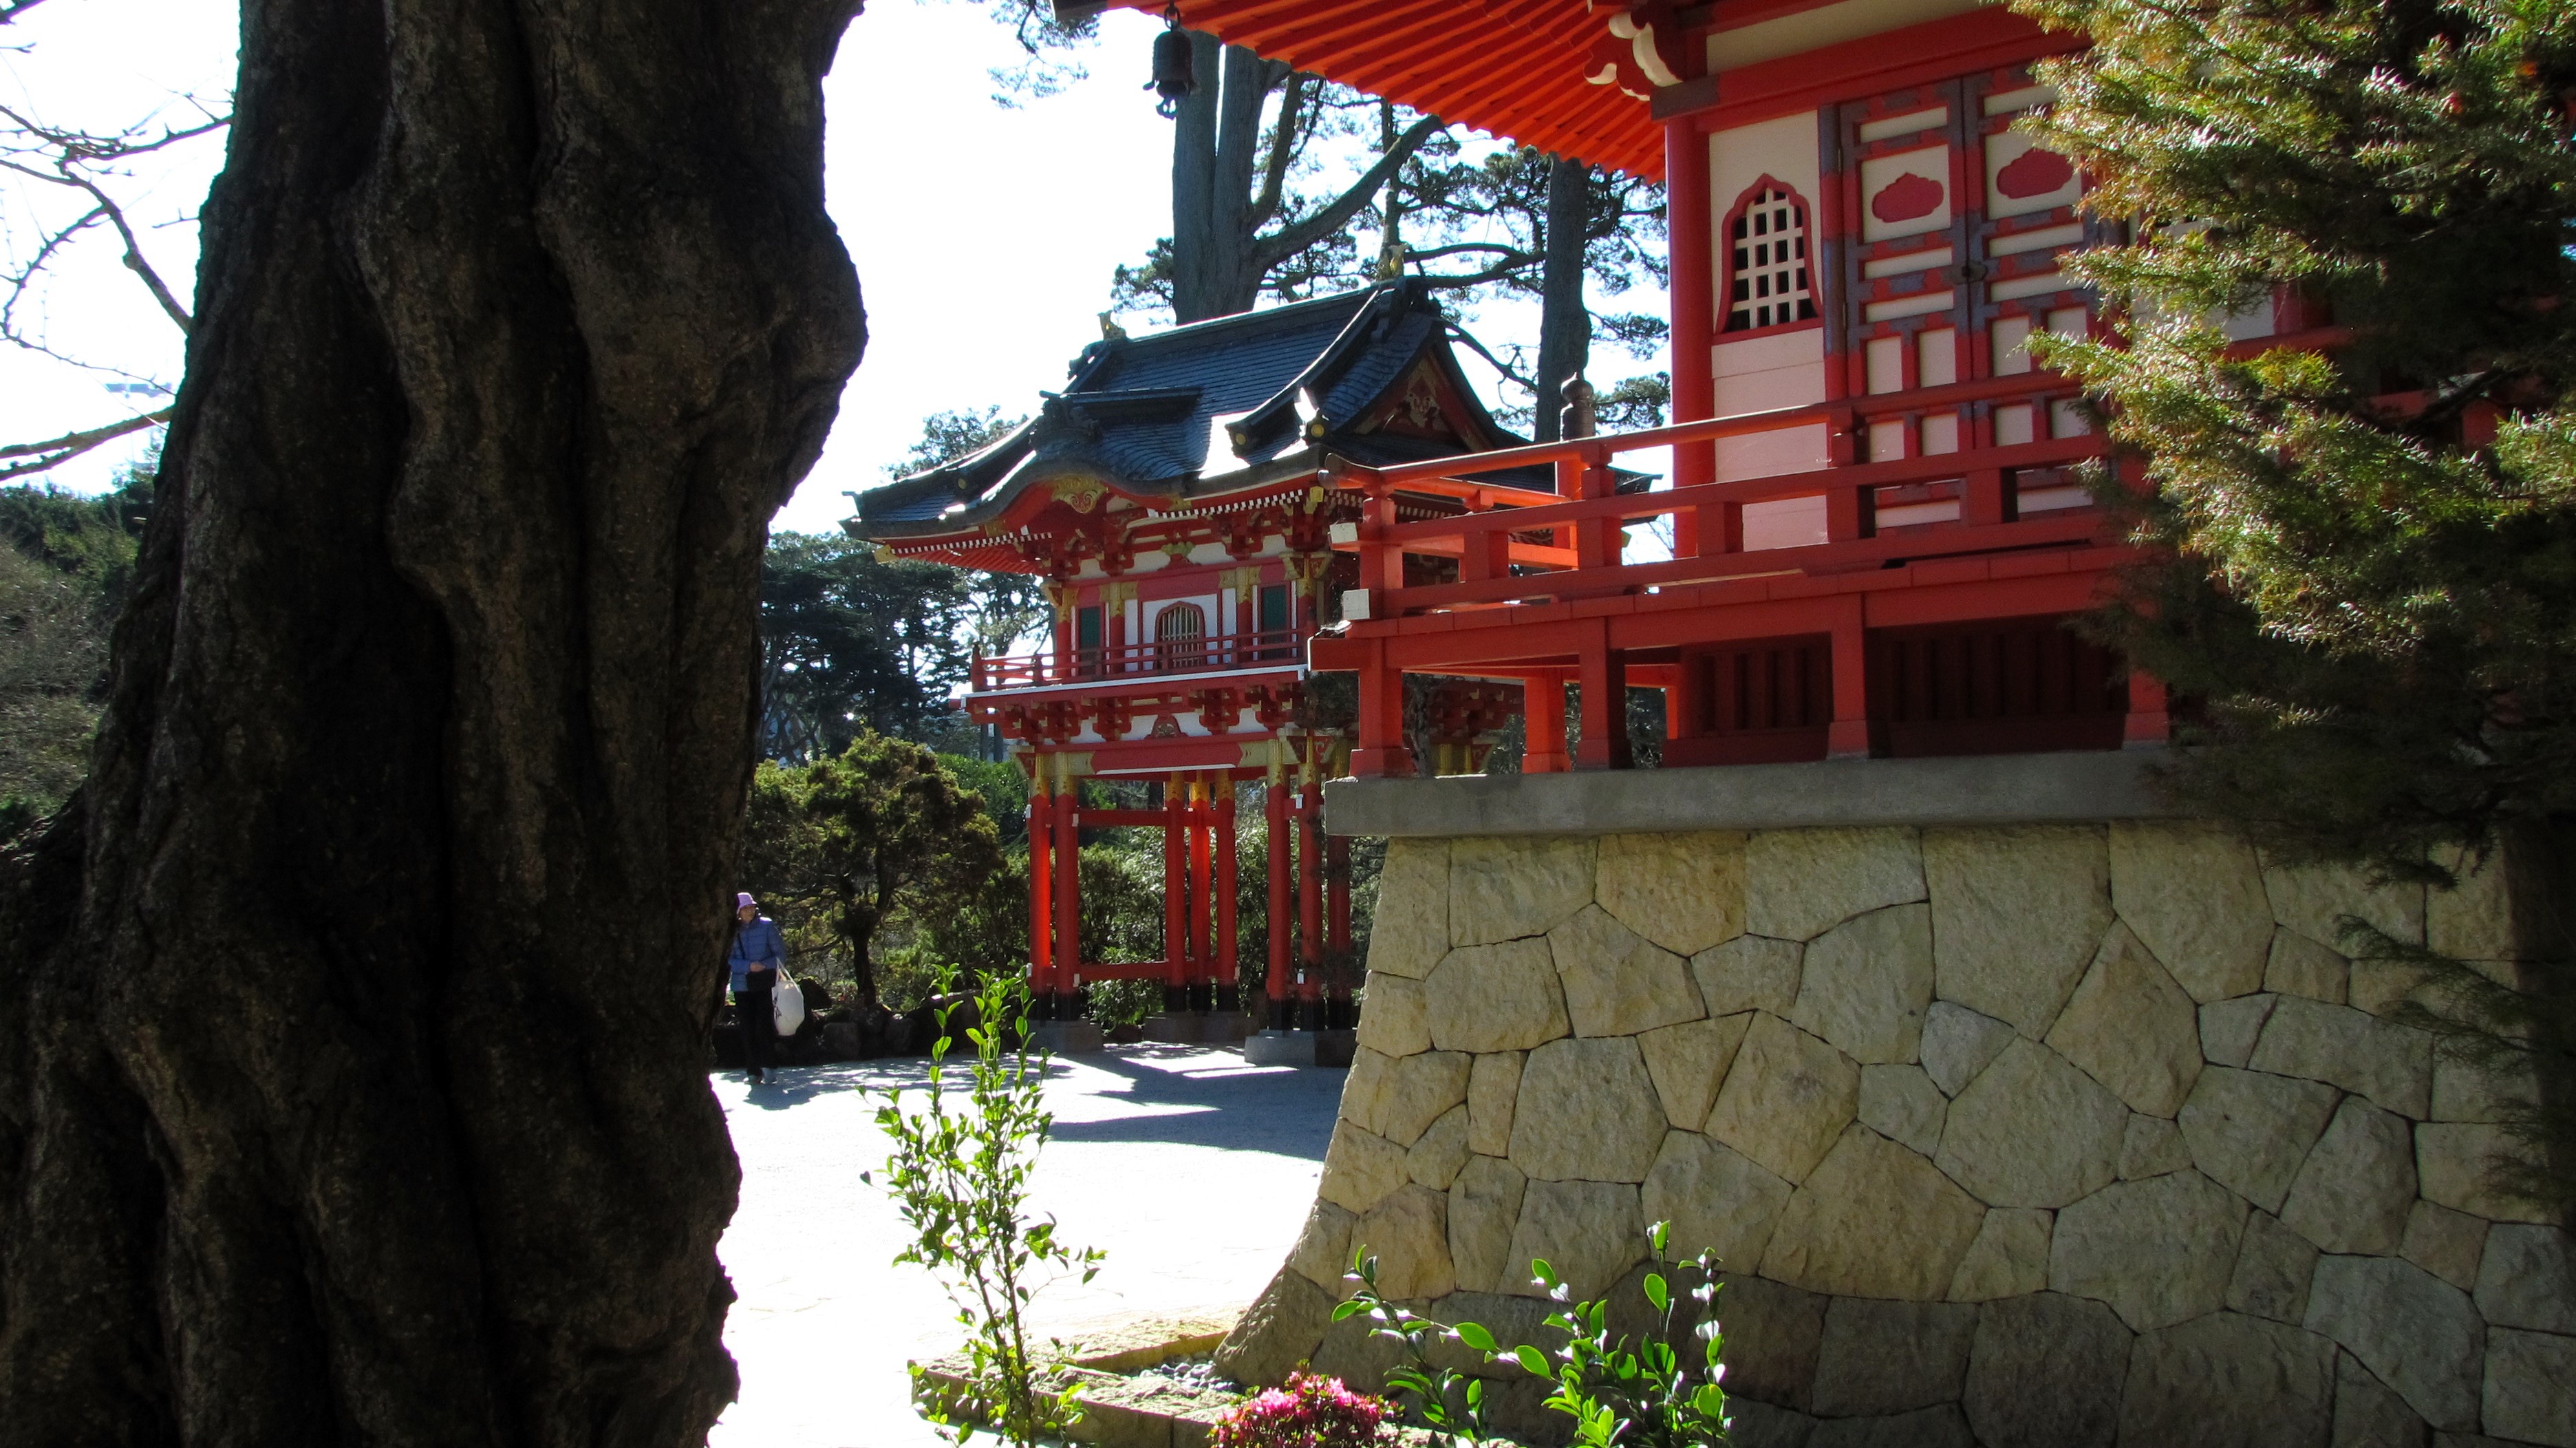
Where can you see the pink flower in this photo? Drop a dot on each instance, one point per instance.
(1309, 1412)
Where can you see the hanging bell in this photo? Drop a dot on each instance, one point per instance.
(1172, 77)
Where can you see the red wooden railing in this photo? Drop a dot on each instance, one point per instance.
(1170, 656)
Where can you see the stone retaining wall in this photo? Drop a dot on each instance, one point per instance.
(2027, 1135)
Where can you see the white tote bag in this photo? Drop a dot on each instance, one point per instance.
(787, 1005)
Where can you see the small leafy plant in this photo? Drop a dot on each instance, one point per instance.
(1309, 1412)
(1645, 1396)
(960, 1176)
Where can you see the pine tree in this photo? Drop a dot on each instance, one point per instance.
(2368, 575)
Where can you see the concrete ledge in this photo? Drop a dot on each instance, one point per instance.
(1978, 790)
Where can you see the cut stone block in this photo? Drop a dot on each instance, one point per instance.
(1589, 1232)
(1716, 1199)
(1440, 1151)
(1901, 1104)
(1586, 1110)
(1958, 1043)
(1419, 1091)
(2229, 1029)
(2157, 1250)
(2313, 899)
(1787, 1100)
(1941, 1427)
(2528, 1279)
(1800, 883)
(1323, 1250)
(2415, 1332)
(2152, 1147)
(1360, 1168)
(1364, 1089)
(2353, 1192)
(1873, 1220)
(1408, 1233)
(1617, 982)
(2456, 1164)
(1509, 888)
(2390, 1064)
(2008, 1259)
(1501, 997)
(2530, 1392)
(1493, 1085)
(1278, 1332)
(1684, 891)
(2230, 1381)
(1756, 1424)
(1398, 1019)
(2047, 1371)
(2448, 1244)
(1867, 983)
(1774, 1334)
(2303, 967)
(2194, 894)
(1689, 1062)
(2475, 920)
(2017, 914)
(1484, 1210)
(2369, 1413)
(2032, 1131)
(2249, 1131)
(1891, 1357)
(2130, 1027)
(1749, 973)
(1410, 932)
(2273, 1268)
(2467, 1091)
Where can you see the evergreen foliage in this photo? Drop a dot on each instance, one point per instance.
(66, 562)
(2369, 582)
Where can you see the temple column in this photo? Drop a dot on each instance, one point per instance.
(1310, 901)
(1604, 675)
(1068, 893)
(1337, 925)
(2150, 721)
(1543, 726)
(1228, 972)
(1176, 916)
(1274, 811)
(1041, 893)
(1202, 959)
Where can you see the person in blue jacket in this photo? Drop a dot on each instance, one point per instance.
(758, 952)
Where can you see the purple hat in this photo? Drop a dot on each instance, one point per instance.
(741, 898)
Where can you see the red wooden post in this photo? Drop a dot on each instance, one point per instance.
(1850, 514)
(1274, 809)
(1543, 726)
(1848, 737)
(1598, 542)
(1381, 753)
(1203, 960)
(1228, 972)
(1041, 892)
(1337, 925)
(2150, 722)
(1381, 564)
(1176, 918)
(1985, 501)
(1310, 898)
(1694, 299)
(1068, 887)
(1604, 676)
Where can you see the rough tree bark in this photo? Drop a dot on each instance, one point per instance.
(1564, 322)
(352, 1073)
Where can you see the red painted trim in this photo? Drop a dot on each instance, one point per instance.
(1694, 294)
(1777, 328)
(1983, 39)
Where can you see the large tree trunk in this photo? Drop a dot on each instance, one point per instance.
(1564, 322)
(1216, 146)
(352, 1033)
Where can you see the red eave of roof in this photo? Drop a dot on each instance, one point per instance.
(1511, 67)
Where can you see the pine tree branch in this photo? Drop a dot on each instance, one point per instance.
(56, 451)
(1283, 151)
(1459, 334)
(1269, 251)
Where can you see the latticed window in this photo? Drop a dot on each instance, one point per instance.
(1180, 635)
(1767, 247)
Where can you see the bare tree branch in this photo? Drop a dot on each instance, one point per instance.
(1290, 240)
(56, 451)
(1460, 334)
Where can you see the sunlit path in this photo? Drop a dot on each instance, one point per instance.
(1192, 1170)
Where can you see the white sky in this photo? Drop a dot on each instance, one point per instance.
(984, 238)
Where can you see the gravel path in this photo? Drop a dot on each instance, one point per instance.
(1192, 1170)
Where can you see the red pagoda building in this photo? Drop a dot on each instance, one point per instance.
(1173, 496)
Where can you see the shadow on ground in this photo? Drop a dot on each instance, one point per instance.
(1173, 1094)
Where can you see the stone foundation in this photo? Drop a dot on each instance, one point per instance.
(2043, 1135)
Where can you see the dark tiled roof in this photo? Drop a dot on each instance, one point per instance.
(1142, 411)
